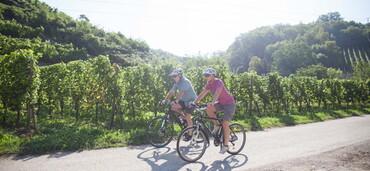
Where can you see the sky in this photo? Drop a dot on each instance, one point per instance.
(193, 27)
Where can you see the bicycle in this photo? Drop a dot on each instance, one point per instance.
(160, 130)
(194, 149)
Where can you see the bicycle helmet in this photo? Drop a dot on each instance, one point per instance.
(209, 71)
(176, 72)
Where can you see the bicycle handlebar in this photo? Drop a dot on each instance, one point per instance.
(200, 107)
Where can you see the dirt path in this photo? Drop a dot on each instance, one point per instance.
(353, 157)
(341, 144)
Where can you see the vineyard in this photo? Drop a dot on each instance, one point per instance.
(114, 104)
(66, 84)
(106, 94)
(353, 55)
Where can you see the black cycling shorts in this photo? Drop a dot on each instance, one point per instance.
(189, 109)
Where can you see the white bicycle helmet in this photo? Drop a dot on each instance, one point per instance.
(176, 72)
(210, 71)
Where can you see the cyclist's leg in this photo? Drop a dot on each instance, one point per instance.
(189, 111)
(176, 107)
(225, 126)
(211, 112)
(189, 122)
(229, 111)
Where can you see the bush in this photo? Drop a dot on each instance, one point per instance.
(9, 143)
(70, 138)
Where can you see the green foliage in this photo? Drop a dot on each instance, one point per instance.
(257, 65)
(296, 119)
(19, 80)
(361, 70)
(14, 29)
(67, 137)
(289, 56)
(94, 95)
(319, 72)
(280, 47)
(329, 54)
(48, 53)
(331, 16)
(69, 39)
(96, 103)
(9, 143)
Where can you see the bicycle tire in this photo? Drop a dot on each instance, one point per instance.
(237, 138)
(193, 149)
(159, 131)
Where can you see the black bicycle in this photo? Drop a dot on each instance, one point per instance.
(194, 149)
(160, 130)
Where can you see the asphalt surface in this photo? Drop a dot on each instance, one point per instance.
(263, 148)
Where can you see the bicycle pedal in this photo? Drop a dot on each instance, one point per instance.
(233, 138)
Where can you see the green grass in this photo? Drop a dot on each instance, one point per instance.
(9, 143)
(64, 135)
(74, 138)
(301, 118)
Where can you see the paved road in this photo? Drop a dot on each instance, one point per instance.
(262, 148)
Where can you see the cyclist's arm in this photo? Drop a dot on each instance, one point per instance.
(169, 95)
(179, 96)
(217, 94)
(201, 95)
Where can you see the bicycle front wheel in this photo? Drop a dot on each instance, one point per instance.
(193, 149)
(159, 132)
(237, 138)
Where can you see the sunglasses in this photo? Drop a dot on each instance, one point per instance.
(174, 76)
(207, 75)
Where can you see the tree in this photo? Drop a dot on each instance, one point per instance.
(83, 17)
(31, 19)
(354, 36)
(361, 70)
(329, 54)
(289, 56)
(251, 44)
(256, 65)
(18, 82)
(315, 35)
(331, 16)
(318, 71)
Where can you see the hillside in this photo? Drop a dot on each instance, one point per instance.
(329, 41)
(35, 25)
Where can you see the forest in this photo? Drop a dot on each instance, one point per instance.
(66, 84)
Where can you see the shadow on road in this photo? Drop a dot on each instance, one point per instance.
(229, 163)
(53, 155)
(167, 159)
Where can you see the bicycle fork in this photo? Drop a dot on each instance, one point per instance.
(233, 137)
(162, 129)
(195, 135)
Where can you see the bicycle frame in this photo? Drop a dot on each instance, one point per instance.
(194, 149)
(171, 113)
(198, 121)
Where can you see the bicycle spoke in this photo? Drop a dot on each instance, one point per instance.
(193, 149)
(237, 138)
(159, 132)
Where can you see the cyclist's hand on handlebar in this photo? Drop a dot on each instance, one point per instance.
(192, 104)
(163, 102)
(174, 102)
(212, 103)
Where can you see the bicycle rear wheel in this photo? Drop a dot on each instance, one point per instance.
(237, 138)
(159, 132)
(193, 149)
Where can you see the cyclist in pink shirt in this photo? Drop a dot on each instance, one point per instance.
(222, 101)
